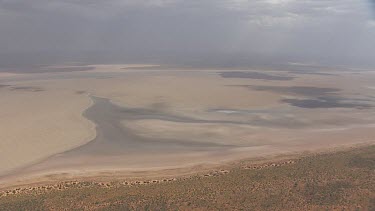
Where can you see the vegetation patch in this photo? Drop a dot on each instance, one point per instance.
(341, 180)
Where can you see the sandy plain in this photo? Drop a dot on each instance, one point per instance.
(113, 118)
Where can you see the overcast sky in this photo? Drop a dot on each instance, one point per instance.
(189, 32)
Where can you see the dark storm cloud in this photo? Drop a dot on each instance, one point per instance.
(372, 3)
(208, 32)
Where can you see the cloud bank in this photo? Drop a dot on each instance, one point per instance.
(181, 32)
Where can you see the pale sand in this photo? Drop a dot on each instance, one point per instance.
(120, 67)
(51, 120)
(184, 93)
(249, 136)
(5, 74)
(35, 125)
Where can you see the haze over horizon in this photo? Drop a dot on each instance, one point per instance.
(198, 33)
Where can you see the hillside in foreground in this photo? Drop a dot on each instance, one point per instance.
(333, 181)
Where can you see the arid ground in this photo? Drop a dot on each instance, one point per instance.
(342, 180)
(85, 121)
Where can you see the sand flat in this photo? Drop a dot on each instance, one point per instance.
(36, 125)
(161, 119)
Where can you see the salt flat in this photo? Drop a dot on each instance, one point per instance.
(116, 118)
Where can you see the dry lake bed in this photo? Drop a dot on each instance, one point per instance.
(120, 119)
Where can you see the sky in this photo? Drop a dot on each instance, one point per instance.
(188, 32)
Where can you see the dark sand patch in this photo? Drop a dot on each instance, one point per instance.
(42, 69)
(296, 90)
(22, 88)
(267, 118)
(318, 97)
(326, 102)
(80, 92)
(113, 137)
(115, 140)
(254, 75)
(312, 73)
(27, 88)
